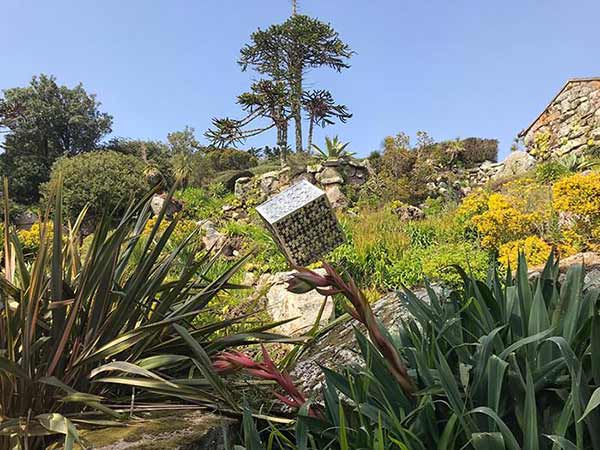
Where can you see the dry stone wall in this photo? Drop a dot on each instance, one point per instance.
(331, 175)
(570, 124)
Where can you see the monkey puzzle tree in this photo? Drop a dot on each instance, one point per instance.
(265, 100)
(322, 109)
(286, 51)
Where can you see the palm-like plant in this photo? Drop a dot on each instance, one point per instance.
(322, 110)
(67, 317)
(334, 149)
(182, 166)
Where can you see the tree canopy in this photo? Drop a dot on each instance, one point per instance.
(41, 122)
(285, 51)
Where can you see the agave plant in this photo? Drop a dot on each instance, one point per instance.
(334, 149)
(67, 317)
(499, 364)
(578, 163)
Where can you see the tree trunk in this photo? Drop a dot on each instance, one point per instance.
(298, 122)
(297, 106)
(311, 126)
(282, 141)
(284, 145)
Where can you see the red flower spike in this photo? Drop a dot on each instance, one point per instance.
(228, 362)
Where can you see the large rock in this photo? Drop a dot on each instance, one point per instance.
(336, 197)
(408, 213)
(181, 430)
(282, 304)
(269, 181)
(242, 186)
(25, 220)
(517, 163)
(330, 175)
(211, 237)
(158, 200)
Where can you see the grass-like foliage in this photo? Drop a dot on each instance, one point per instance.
(67, 319)
(505, 363)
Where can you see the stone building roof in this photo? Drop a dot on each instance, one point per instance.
(567, 83)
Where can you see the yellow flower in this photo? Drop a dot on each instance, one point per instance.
(578, 194)
(471, 206)
(502, 222)
(30, 239)
(536, 251)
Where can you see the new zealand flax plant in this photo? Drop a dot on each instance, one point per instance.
(504, 363)
(67, 317)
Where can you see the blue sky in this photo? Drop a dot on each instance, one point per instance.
(452, 68)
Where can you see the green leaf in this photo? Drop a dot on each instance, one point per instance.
(561, 442)
(509, 438)
(592, 404)
(488, 441)
(525, 341)
(59, 424)
(530, 433)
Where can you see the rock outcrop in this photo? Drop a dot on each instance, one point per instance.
(183, 430)
(332, 175)
(517, 163)
(338, 348)
(157, 203)
(211, 237)
(283, 305)
(408, 213)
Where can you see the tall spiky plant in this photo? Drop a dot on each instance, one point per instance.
(497, 364)
(67, 316)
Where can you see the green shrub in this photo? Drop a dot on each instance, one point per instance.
(26, 173)
(155, 154)
(550, 171)
(421, 234)
(204, 203)
(477, 150)
(230, 159)
(104, 180)
(433, 206)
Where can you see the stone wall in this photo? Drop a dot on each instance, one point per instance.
(330, 175)
(570, 124)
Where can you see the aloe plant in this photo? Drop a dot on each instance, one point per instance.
(78, 329)
(499, 364)
(334, 148)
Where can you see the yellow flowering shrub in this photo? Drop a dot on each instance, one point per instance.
(536, 251)
(503, 222)
(150, 225)
(578, 194)
(472, 205)
(30, 239)
(183, 229)
(578, 198)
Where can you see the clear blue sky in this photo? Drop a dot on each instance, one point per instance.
(453, 68)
